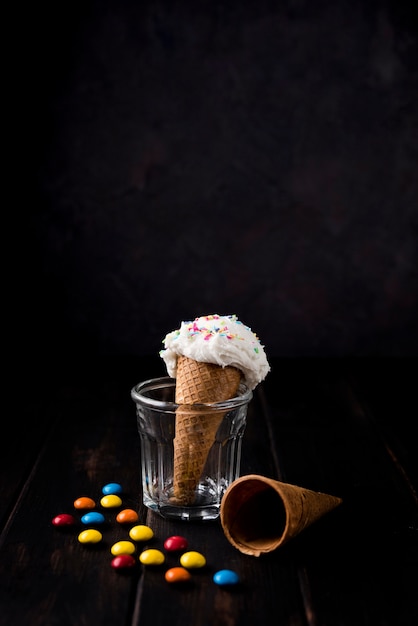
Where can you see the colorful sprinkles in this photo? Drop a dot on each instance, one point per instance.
(221, 330)
(219, 339)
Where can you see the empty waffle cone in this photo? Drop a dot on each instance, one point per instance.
(259, 514)
(196, 427)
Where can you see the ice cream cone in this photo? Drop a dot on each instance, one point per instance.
(196, 427)
(259, 514)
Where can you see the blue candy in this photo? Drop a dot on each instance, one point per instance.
(93, 517)
(112, 489)
(226, 577)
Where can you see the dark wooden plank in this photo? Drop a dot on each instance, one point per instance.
(385, 389)
(257, 598)
(307, 424)
(40, 407)
(47, 576)
(360, 564)
(28, 424)
(54, 578)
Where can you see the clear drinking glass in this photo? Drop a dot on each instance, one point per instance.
(156, 419)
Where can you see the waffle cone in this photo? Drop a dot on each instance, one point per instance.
(259, 514)
(196, 427)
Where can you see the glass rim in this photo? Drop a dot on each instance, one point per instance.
(166, 381)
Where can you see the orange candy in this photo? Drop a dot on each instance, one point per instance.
(127, 516)
(84, 503)
(177, 575)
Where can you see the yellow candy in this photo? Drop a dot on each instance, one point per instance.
(90, 536)
(109, 502)
(152, 557)
(141, 533)
(192, 559)
(123, 547)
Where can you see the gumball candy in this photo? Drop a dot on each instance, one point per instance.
(123, 547)
(90, 536)
(226, 577)
(177, 575)
(110, 502)
(192, 560)
(112, 488)
(127, 516)
(64, 519)
(176, 543)
(84, 503)
(123, 561)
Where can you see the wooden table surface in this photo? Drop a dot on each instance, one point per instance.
(344, 427)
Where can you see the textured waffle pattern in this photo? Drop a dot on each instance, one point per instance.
(204, 382)
(196, 429)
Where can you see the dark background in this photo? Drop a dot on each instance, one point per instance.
(186, 158)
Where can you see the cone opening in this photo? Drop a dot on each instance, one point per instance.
(254, 516)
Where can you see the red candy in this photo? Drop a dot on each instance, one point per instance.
(123, 561)
(64, 519)
(176, 543)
